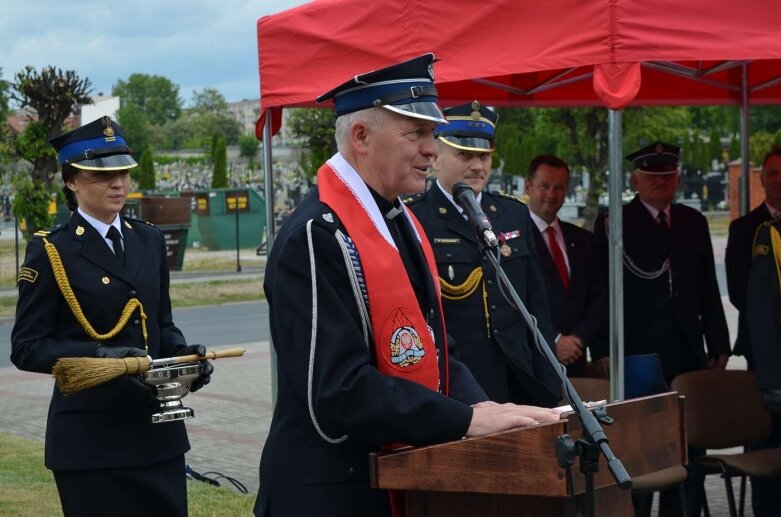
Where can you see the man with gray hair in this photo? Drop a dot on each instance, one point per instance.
(356, 317)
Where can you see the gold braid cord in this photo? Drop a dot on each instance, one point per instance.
(465, 290)
(73, 303)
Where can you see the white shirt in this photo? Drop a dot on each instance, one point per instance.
(655, 213)
(773, 212)
(102, 228)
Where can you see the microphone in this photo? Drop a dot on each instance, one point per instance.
(465, 197)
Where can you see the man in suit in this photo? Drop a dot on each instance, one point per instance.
(575, 287)
(492, 338)
(355, 314)
(753, 289)
(671, 296)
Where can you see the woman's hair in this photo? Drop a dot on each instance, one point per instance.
(68, 171)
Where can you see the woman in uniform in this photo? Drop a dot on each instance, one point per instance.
(106, 455)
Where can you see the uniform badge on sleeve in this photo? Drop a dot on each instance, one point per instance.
(28, 275)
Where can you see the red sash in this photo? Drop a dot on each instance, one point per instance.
(403, 343)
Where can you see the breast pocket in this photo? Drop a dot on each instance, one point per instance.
(514, 249)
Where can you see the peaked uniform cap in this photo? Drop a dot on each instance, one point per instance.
(97, 146)
(470, 127)
(406, 88)
(657, 158)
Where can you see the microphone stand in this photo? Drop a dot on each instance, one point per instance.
(593, 440)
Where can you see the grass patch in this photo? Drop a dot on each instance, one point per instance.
(29, 490)
(216, 292)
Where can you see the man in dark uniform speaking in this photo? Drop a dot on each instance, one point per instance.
(355, 314)
(492, 338)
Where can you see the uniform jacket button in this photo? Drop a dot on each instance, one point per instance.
(351, 471)
(131, 294)
(489, 282)
(493, 307)
(136, 322)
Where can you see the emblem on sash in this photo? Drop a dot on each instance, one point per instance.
(406, 349)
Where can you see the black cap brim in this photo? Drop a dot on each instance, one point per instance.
(113, 162)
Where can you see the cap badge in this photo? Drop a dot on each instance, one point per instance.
(107, 129)
(659, 148)
(79, 231)
(476, 110)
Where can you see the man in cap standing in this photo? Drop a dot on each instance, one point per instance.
(492, 338)
(355, 314)
(671, 296)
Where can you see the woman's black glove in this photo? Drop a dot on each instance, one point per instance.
(206, 367)
(118, 352)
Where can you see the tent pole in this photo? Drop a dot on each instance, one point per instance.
(268, 185)
(745, 165)
(616, 263)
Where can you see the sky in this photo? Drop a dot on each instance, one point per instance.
(194, 43)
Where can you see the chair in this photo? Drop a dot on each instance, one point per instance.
(592, 389)
(724, 409)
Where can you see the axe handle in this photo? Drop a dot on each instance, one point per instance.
(212, 354)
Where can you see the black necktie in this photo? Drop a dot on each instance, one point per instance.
(662, 217)
(116, 242)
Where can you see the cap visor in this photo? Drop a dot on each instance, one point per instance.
(423, 110)
(107, 163)
(658, 173)
(469, 143)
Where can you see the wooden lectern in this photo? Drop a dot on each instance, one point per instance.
(515, 473)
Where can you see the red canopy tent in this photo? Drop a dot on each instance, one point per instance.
(612, 53)
(523, 53)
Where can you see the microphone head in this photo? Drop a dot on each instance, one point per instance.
(459, 189)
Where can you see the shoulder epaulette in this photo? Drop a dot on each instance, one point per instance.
(46, 233)
(413, 198)
(509, 196)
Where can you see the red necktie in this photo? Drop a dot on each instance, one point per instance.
(558, 257)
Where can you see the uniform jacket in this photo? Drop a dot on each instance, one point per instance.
(582, 309)
(763, 304)
(333, 405)
(737, 260)
(497, 348)
(650, 312)
(107, 426)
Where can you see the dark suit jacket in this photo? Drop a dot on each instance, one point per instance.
(498, 349)
(582, 309)
(655, 321)
(107, 426)
(737, 260)
(315, 460)
(763, 304)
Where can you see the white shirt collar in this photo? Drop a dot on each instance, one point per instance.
(542, 225)
(773, 211)
(655, 212)
(100, 226)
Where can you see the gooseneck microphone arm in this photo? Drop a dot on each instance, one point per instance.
(593, 434)
(465, 197)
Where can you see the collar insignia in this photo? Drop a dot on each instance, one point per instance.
(127, 225)
(442, 210)
(492, 208)
(329, 217)
(79, 231)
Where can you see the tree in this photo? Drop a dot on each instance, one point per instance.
(156, 96)
(316, 128)
(5, 144)
(220, 172)
(53, 94)
(248, 147)
(145, 172)
(759, 144)
(715, 150)
(209, 100)
(135, 127)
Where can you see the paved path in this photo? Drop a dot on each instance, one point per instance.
(233, 413)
